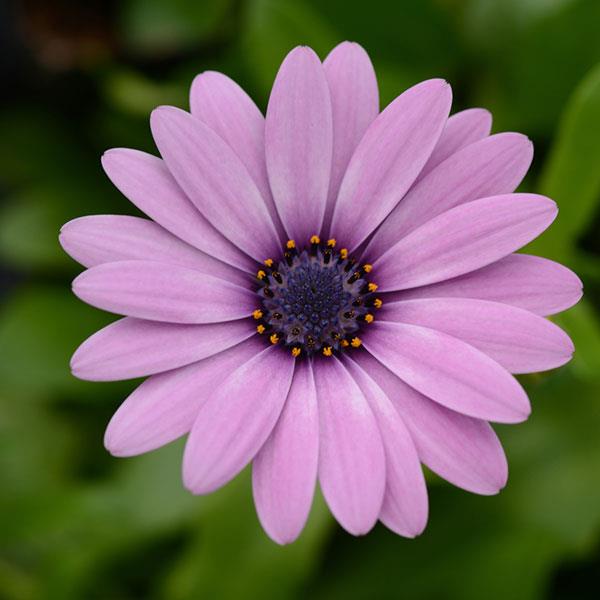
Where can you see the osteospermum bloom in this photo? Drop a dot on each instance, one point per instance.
(328, 292)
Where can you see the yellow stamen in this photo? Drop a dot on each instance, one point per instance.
(373, 287)
(274, 338)
(290, 245)
(327, 351)
(344, 253)
(367, 268)
(260, 329)
(257, 314)
(269, 262)
(378, 303)
(296, 352)
(261, 274)
(315, 239)
(345, 343)
(356, 342)
(369, 318)
(331, 243)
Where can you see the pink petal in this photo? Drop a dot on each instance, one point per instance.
(405, 505)
(354, 103)
(388, 159)
(298, 143)
(351, 455)
(99, 239)
(448, 371)
(536, 284)
(145, 180)
(135, 348)
(225, 107)
(165, 406)
(159, 292)
(463, 239)
(215, 180)
(462, 450)
(517, 339)
(461, 129)
(236, 420)
(495, 165)
(284, 471)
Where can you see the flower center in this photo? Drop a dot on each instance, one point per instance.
(315, 300)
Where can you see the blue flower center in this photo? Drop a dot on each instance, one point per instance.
(316, 300)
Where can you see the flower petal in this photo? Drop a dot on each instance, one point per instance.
(515, 338)
(448, 371)
(159, 292)
(405, 505)
(351, 456)
(99, 239)
(215, 180)
(298, 143)
(388, 159)
(225, 107)
(354, 103)
(236, 419)
(461, 129)
(463, 239)
(146, 181)
(132, 347)
(536, 284)
(164, 407)
(462, 450)
(284, 472)
(495, 165)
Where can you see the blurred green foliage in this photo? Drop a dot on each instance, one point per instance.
(76, 523)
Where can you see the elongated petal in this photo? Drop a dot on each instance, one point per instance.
(461, 129)
(448, 371)
(493, 166)
(215, 180)
(354, 103)
(165, 406)
(351, 457)
(405, 505)
(227, 109)
(515, 338)
(298, 143)
(99, 239)
(236, 419)
(284, 472)
(131, 347)
(462, 450)
(388, 159)
(463, 239)
(146, 181)
(536, 284)
(159, 292)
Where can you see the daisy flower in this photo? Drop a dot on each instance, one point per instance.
(329, 293)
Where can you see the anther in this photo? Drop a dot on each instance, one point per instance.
(378, 303)
(369, 318)
(367, 268)
(260, 329)
(335, 335)
(296, 352)
(315, 240)
(290, 244)
(356, 342)
(269, 262)
(354, 277)
(261, 274)
(257, 314)
(273, 338)
(344, 343)
(372, 287)
(331, 243)
(344, 253)
(327, 351)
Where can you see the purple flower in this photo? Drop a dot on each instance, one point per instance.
(330, 293)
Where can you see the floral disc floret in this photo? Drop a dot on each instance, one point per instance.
(315, 300)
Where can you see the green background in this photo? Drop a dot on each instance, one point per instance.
(79, 78)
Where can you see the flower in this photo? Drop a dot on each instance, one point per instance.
(329, 293)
